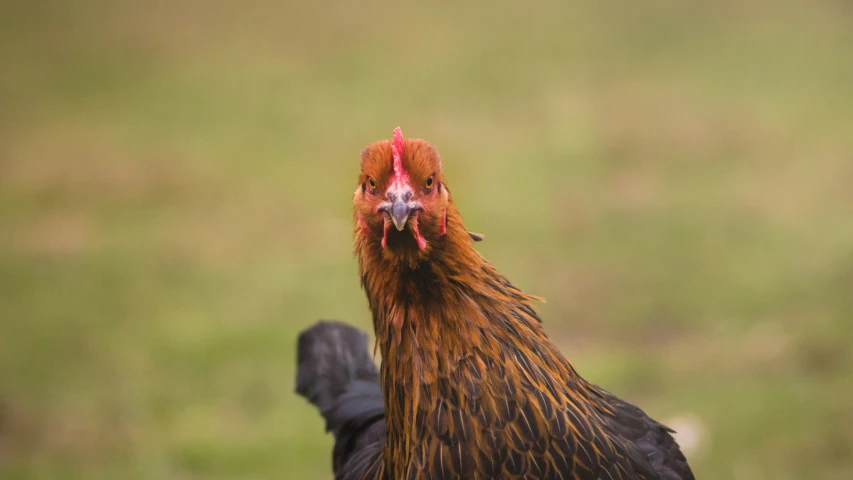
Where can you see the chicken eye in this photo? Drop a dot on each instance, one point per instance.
(371, 183)
(429, 182)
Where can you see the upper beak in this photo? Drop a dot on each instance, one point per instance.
(399, 212)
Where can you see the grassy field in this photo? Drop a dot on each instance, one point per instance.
(175, 187)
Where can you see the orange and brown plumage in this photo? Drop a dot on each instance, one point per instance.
(471, 386)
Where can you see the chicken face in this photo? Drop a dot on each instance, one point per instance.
(401, 200)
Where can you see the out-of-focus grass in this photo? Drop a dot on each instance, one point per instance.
(175, 184)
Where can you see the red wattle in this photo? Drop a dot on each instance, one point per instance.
(385, 233)
(418, 237)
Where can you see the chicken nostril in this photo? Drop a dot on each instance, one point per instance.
(405, 196)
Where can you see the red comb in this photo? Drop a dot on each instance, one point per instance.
(397, 151)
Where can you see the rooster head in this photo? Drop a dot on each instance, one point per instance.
(401, 200)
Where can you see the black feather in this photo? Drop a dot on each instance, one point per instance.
(336, 374)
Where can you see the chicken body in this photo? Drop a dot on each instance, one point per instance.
(471, 386)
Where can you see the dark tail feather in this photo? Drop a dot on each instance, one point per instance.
(336, 373)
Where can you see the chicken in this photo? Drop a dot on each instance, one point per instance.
(470, 386)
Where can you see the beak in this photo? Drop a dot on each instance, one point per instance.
(399, 212)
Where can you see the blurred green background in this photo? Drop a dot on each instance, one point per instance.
(175, 190)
